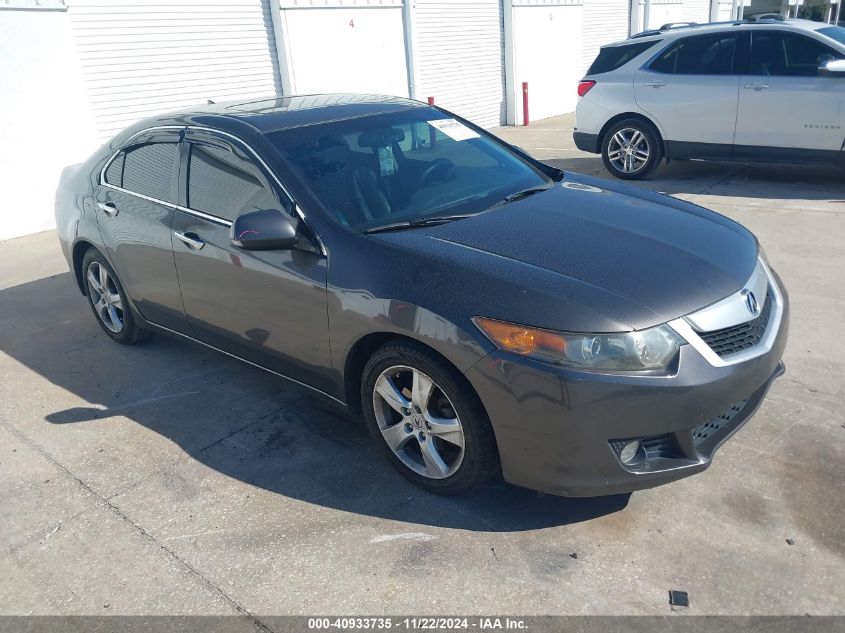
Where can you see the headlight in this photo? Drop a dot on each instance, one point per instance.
(647, 349)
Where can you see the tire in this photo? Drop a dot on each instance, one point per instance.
(111, 310)
(646, 150)
(397, 368)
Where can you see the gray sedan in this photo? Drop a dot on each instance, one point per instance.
(484, 311)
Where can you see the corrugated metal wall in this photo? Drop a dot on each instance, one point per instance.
(141, 57)
(460, 57)
(605, 21)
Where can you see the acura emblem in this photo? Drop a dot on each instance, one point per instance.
(751, 302)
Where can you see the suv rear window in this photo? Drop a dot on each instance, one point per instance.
(613, 57)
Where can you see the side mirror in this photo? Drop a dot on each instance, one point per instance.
(263, 231)
(833, 68)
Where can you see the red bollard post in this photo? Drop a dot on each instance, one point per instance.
(525, 103)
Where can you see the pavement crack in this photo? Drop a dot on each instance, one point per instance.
(116, 510)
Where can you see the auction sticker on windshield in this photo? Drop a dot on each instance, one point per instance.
(453, 129)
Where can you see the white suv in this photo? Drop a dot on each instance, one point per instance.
(764, 91)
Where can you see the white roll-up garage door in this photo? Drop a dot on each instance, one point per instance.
(144, 57)
(460, 57)
(605, 21)
(697, 11)
(345, 46)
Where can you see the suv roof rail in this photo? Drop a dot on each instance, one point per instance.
(666, 27)
(675, 25)
(766, 17)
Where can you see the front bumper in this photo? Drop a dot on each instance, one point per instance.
(556, 428)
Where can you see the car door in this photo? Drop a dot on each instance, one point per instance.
(135, 207)
(267, 307)
(691, 89)
(787, 110)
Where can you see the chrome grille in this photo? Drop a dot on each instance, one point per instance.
(737, 338)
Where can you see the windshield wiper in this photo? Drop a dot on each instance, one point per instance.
(414, 224)
(519, 195)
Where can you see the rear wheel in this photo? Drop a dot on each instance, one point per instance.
(631, 149)
(108, 300)
(428, 420)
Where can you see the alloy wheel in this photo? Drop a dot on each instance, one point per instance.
(105, 297)
(418, 422)
(628, 150)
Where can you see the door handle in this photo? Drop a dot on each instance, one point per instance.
(191, 240)
(109, 208)
(655, 84)
(756, 86)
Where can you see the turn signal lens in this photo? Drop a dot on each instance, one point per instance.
(585, 86)
(519, 339)
(626, 351)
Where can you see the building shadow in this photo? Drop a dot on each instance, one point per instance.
(244, 423)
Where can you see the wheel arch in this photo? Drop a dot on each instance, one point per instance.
(77, 255)
(632, 115)
(363, 349)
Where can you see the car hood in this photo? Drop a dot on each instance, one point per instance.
(616, 256)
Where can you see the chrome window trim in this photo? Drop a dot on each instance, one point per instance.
(684, 327)
(206, 216)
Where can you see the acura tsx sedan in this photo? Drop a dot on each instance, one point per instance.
(483, 310)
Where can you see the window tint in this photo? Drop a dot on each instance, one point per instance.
(699, 55)
(225, 183)
(786, 54)
(148, 170)
(613, 57)
(114, 172)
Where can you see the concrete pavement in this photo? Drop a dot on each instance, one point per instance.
(167, 479)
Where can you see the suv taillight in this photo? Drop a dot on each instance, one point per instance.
(585, 86)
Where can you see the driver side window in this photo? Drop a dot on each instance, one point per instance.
(224, 183)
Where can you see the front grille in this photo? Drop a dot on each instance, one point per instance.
(737, 338)
(706, 429)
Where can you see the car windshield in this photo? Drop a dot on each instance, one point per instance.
(403, 167)
(834, 32)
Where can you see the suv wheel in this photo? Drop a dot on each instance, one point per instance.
(108, 300)
(631, 149)
(427, 419)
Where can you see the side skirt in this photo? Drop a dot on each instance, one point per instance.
(752, 153)
(323, 394)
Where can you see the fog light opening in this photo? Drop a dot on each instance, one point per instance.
(630, 451)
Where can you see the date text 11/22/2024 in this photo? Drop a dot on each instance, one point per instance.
(417, 623)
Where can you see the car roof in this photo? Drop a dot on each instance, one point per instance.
(672, 31)
(271, 114)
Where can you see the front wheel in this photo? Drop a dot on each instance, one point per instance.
(427, 419)
(631, 149)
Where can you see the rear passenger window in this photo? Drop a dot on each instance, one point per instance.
(114, 172)
(148, 170)
(776, 53)
(225, 183)
(613, 57)
(698, 55)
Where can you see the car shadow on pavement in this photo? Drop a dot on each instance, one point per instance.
(237, 420)
(821, 183)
